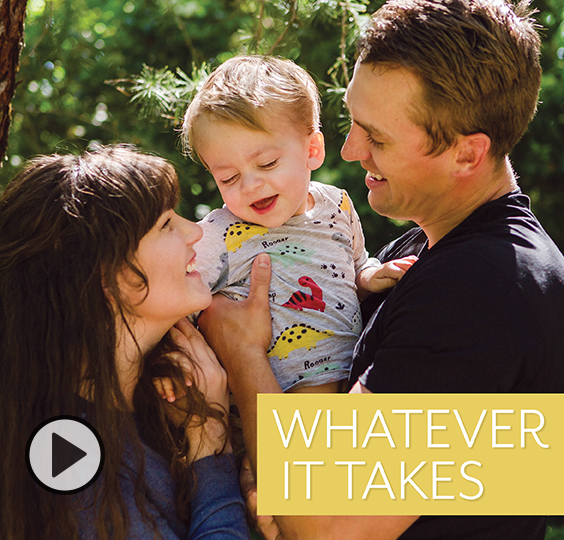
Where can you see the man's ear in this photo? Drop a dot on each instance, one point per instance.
(316, 151)
(471, 153)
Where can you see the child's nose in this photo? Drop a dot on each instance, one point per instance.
(252, 182)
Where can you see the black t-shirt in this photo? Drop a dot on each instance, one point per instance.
(481, 311)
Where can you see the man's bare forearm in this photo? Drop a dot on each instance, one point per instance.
(245, 385)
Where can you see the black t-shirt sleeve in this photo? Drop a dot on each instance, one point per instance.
(453, 324)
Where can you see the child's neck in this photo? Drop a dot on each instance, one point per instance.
(310, 202)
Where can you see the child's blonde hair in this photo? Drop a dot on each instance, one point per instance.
(242, 89)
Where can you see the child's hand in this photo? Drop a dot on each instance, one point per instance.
(165, 388)
(378, 278)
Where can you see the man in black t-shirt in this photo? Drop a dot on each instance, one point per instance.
(442, 91)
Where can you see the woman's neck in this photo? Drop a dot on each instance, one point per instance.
(133, 342)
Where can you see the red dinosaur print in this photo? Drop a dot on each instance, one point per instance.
(300, 300)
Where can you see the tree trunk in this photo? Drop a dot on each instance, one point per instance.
(12, 15)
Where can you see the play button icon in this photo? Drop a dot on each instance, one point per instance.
(65, 454)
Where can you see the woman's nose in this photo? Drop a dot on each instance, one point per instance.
(356, 146)
(191, 230)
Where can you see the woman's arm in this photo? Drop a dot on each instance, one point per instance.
(217, 508)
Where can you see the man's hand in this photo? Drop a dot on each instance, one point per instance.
(234, 329)
(265, 525)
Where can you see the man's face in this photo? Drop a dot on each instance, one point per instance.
(403, 182)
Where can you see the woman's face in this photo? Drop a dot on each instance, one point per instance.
(166, 256)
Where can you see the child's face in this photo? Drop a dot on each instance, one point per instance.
(263, 176)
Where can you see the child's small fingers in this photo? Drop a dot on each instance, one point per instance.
(158, 384)
(404, 265)
(165, 388)
(169, 389)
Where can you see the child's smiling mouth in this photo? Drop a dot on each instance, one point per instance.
(264, 205)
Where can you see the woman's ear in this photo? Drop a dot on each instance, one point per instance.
(316, 151)
(472, 151)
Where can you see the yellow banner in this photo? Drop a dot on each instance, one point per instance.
(410, 454)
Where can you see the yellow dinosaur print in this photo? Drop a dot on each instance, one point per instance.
(345, 205)
(297, 337)
(237, 233)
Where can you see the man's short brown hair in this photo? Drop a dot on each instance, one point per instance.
(244, 89)
(477, 61)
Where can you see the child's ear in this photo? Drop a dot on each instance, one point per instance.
(472, 151)
(316, 151)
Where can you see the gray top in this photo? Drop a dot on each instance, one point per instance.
(315, 259)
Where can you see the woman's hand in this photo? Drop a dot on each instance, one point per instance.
(209, 376)
(204, 371)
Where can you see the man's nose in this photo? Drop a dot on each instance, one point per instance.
(356, 146)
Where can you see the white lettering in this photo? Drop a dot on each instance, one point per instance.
(472, 479)
(496, 428)
(349, 468)
(431, 428)
(308, 465)
(470, 442)
(437, 479)
(336, 428)
(385, 485)
(369, 433)
(407, 412)
(298, 418)
(532, 430)
(407, 480)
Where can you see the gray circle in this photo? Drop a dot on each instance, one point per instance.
(65, 454)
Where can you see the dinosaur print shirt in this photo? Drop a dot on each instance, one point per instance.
(315, 258)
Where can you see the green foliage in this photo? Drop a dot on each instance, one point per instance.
(105, 71)
(101, 71)
(159, 93)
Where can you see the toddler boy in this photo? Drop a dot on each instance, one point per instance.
(255, 126)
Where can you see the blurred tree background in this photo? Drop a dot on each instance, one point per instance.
(105, 71)
(102, 71)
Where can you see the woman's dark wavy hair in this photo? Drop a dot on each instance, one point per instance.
(68, 226)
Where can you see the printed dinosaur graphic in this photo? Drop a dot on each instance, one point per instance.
(223, 272)
(345, 205)
(297, 336)
(301, 300)
(237, 233)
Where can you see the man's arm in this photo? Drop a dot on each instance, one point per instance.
(240, 333)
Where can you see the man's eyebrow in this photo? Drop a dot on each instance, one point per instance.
(373, 131)
(366, 127)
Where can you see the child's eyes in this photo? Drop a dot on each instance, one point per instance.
(230, 180)
(166, 223)
(269, 165)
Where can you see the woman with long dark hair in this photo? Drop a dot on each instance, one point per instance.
(95, 269)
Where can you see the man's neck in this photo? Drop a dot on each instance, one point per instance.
(469, 196)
